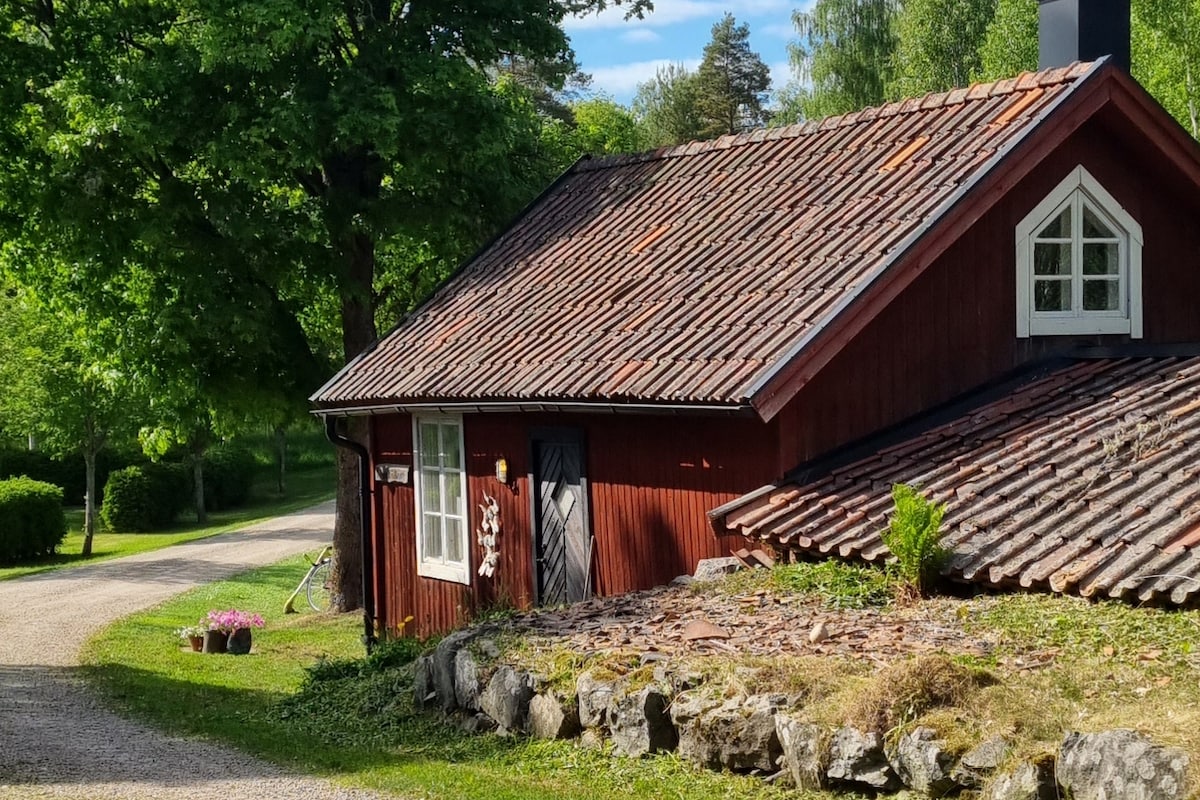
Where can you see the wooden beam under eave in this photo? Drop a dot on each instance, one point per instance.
(1081, 105)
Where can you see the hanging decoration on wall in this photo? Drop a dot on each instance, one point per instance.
(489, 532)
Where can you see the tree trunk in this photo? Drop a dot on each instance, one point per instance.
(198, 487)
(281, 457)
(89, 500)
(358, 331)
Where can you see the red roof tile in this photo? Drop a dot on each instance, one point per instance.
(690, 274)
(1084, 480)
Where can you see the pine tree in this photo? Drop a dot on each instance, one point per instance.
(732, 81)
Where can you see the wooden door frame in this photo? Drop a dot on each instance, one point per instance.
(556, 435)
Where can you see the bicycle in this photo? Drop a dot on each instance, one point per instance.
(316, 584)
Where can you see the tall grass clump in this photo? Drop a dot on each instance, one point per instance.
(914, 537)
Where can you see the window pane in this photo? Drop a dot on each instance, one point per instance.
(454, 540)
(431, 492)
(1100, 259)
(1051, 259)
(453, 458)
(433, 537)
(453, 496)
(429, 444)
(1101, 294)
(1059, 227)
(1051, 295)
(1093, 227)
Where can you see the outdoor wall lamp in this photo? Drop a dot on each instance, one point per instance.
(502, 470)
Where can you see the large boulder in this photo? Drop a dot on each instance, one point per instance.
(922, 763)
(506, 698)
(803, 746)
(1029, 780)
(551, 717)
(980, 763)
(856, 759)
(640, 724)
(1120, 763)
(594, 698)
(466, 680)
(444, 664)
(737, 735)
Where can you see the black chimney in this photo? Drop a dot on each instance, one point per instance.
(1082, 30)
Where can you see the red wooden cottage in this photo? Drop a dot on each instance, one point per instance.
(660, 336)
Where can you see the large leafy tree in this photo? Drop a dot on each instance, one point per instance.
(665, 107)
(1010, 45)
(732, 81)
(938, 44)
(843, 58)
(232, 160)
(1166, 55)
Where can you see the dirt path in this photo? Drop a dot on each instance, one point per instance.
(56, 741)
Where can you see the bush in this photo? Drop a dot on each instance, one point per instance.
(68, 472)
(228, 472)
(32, 524)
(914, 537)
(138, 499)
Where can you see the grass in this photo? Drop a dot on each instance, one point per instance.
(1056, 664)
(305, 488)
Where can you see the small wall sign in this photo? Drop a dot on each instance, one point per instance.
(391, 473)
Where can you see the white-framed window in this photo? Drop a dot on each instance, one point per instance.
(441, 498)
(1079, 263)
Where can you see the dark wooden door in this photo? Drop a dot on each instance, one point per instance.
(562, 539)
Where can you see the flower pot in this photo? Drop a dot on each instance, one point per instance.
(197, 643)
(239, 642)
(215, 641)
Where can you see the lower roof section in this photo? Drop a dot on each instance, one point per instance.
(1083, 479)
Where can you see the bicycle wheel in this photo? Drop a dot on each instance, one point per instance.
(320, 583)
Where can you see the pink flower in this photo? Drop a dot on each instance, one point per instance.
(231, 620)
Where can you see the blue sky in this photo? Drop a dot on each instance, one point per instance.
(619, 54)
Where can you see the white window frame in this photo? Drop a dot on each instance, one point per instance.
(1077, 187)
(441, 568)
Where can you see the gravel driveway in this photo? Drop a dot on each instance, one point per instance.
(56, 741)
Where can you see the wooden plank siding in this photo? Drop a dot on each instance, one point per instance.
(953, 329)
(651, 481)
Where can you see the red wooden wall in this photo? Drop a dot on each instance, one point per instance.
(954, 328)
(651, 481)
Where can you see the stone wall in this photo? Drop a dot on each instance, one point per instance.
(768, 735)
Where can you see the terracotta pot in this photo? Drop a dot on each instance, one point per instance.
(215, 641)
(197, 643)
(239, 642)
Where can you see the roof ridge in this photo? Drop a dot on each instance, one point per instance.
(1024, 81)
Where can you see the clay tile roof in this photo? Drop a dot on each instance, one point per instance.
(1081, 480)
(726, 253)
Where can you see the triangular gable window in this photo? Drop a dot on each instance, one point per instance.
(1079, 264)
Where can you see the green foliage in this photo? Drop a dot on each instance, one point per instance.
(388, 654)
(938, 45)
(1166, 55)
(144, 498)
(32, 524)
(842, 60)
(665, 107)
(838, 584)
(1010, 45)
(914, 537)
(731, 82)
(228, 473)
(67, 472)
(603, 127)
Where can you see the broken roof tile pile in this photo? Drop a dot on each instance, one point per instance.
(1084, 480)
(686, 274)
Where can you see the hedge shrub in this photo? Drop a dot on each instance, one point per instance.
(145, 498)
(68, 473)
(32, 524)
(228, 473)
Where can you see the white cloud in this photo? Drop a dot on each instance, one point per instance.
(781, 73)
(640, 36)
(670, 12)
(779, 30)
(621, 80)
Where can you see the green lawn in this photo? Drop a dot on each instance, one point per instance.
(305, 488)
